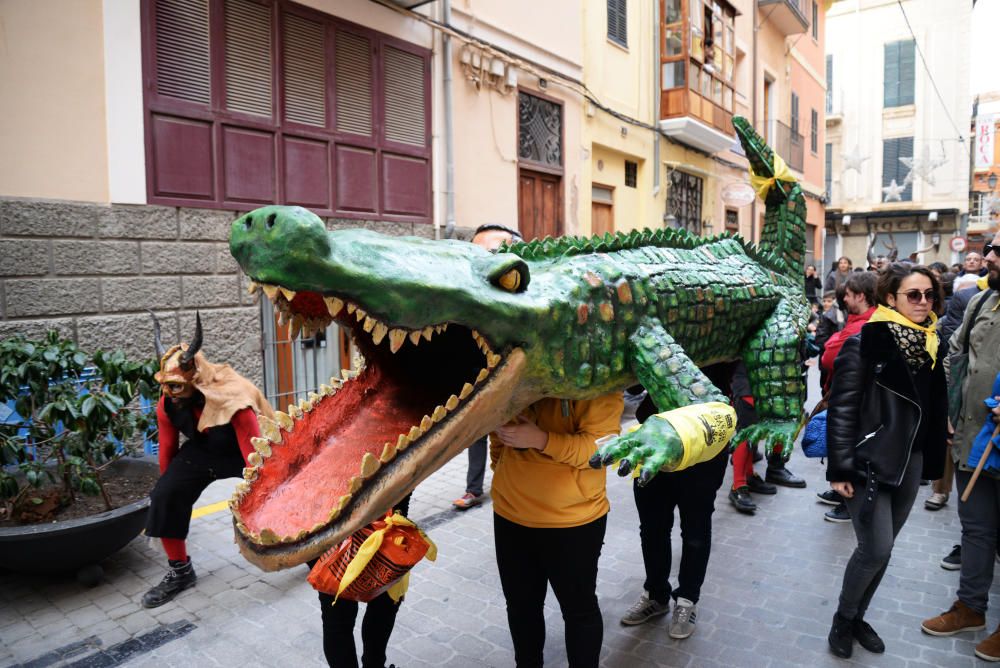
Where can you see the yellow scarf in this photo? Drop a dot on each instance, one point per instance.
(763, 184)
(885, 314)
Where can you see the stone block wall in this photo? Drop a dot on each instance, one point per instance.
(90, 271)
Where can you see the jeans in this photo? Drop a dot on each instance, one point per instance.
(477, 467)
(979, 538)
(528, 560)
(692, 491)
(875, 539)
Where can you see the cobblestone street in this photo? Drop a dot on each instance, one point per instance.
(767, 601)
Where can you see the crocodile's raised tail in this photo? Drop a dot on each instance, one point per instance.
(784, 233)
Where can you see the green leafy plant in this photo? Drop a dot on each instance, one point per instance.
(79, 414)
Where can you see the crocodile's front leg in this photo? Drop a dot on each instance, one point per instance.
(774, 365)
(698, 420)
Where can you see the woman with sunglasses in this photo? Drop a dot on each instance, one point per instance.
(886, 429)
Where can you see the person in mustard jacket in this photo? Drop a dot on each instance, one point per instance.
(550, 514)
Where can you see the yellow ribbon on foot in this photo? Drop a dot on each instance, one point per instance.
(369, 549)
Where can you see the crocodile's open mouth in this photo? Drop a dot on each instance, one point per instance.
(345, 455)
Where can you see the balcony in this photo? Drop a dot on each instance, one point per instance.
(789, 145)
(788, 16)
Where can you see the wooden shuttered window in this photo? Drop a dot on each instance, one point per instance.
(829, 84)
(259, 101)
(249, 88)
(795, 116)
(813, 130)
(183, 68)
(304, 70)
(892, 168)
(618, 21)
(354, 84)
(899, 71)
(828, 170)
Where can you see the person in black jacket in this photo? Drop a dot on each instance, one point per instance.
(886, 429)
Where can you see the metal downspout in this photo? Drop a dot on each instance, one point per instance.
(449, 148)
(754, 232)
(656, 98)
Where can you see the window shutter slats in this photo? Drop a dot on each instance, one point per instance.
(305, 67)
(405, 116)
(248, 57)
(907, 72)
(890, 74)
(354, 84)
(182, 55)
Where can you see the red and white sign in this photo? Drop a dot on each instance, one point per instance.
(985, 138)
(958, 244)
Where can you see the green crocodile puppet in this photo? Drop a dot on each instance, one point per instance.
(457, 340)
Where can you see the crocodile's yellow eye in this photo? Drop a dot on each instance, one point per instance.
(511, 281)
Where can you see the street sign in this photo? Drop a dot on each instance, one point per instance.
(958, 244)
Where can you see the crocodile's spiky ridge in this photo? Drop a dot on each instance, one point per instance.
(457, 340)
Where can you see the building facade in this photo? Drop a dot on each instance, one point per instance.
(897, 141)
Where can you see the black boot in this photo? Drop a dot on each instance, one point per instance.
(180, 576)
(777, 473)
(866, 636)
(841, 636)
(742, 501)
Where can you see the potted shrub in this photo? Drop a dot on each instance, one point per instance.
(70, 494)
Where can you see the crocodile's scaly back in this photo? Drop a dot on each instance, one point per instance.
(784, 232)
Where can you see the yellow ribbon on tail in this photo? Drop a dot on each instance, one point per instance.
(370, 547)
(763, 184)
(883, 314)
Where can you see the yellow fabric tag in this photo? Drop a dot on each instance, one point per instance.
(763, 184)
(704, 429)
(370, 547)
(884, 314)
(983, 282)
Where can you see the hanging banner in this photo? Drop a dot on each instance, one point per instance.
(985, 136)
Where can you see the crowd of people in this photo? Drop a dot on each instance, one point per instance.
(889, 368)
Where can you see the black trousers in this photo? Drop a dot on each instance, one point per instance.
(692, 491)
(477, 467)
(528, 560)
(195, 466)
(376, 627)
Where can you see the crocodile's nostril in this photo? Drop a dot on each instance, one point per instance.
(248, 222)
(270, 220)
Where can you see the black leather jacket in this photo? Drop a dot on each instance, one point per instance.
(874, 412)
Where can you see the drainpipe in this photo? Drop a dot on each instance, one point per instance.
(753, 116)
(656, 98)
(449, 149)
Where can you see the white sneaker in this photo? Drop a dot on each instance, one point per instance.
(685, 614)
(936, 501)
(644, 609)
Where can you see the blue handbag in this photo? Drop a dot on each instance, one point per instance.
(814, 436)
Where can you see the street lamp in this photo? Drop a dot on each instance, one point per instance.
(992, 182)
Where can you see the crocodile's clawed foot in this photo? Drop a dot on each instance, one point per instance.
(773, 433)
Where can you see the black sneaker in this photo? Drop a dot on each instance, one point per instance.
(841, 637)
(779, 475)
(830, 497)
(180, 576)
(953, 561)
(758, 486)
(742, 501)
(838, 514)
(866, 636)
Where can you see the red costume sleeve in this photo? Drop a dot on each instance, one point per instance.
(245, 425)
(167, 436)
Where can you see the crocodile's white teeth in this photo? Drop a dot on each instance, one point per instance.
(466, 391)
(427, 332)
(439, 413)
(379, 333)
(369, 323)
(415, 337)
(492, 360)
(397, 338)
(252, 287)
(388, 453)
(271, 291)
(261, 445)
(483, 374)
(289, 295)
(254, 459)
(333, 305)
(351, 307)
(360, 314)
(452, 403)
(369, 465)
(345, 374)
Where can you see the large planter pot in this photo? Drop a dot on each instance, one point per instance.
(72, 545)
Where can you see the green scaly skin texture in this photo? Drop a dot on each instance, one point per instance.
(595, 315)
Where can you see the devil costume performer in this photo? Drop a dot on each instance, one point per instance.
(215, 409)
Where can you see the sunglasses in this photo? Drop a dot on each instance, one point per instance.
(990, 248)
(916, 296)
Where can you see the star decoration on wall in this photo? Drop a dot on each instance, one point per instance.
(854, 159)
(893, 192)
(923, 166)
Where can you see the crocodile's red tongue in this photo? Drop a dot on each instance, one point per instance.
(313, 468)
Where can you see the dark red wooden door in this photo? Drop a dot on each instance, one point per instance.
(539, 201)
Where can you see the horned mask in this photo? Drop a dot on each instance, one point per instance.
(177, 364)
